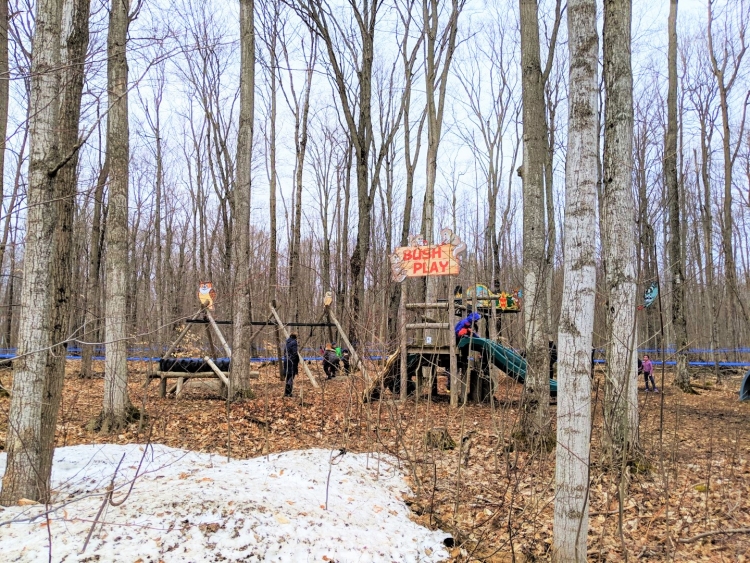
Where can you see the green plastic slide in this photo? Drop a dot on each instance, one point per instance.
(506, 359)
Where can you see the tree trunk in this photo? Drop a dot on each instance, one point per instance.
(93, 287)
(725, 81)
(621, 397)
(677, 267)
(116, 401)
(301, 115)
(25, 474)
(240, 372)
(436, 81)
(4, 91)
(73, 64)
(535, 423)
(577, 316)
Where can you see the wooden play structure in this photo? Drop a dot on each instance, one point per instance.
(206, 367)
(210, 366)
(430, 345)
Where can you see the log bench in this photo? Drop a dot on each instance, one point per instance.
(191, 368)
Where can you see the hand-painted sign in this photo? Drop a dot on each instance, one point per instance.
(420, 259)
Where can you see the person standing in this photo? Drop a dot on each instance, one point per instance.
(346, 360)
(330, 361)
(291, 363)
(648, 374)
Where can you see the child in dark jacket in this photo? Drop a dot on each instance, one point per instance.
(290, 363)
(330, 361)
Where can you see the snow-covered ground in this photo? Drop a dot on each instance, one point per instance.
(193, 507)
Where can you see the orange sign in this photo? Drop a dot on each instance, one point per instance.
(417, 261)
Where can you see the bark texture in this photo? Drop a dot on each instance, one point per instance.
(535, 424)
(116, 401)
(676, 265)
(621, 387)
(240, 372)
(577, 315)
(24, 475)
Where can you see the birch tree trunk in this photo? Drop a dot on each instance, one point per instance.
(535, 423)
(677, 277)
(25, 440)
(240, 372)
(621, 387)
(116, 401)
(577, 315)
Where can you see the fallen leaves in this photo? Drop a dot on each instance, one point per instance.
(500, 507)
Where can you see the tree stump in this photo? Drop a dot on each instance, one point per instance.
(440, 439)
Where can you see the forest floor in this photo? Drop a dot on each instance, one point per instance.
(495, 499)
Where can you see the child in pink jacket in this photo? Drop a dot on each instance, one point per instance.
(648, 369)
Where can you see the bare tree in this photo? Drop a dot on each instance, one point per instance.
(726, 67)
(357, 47)
(677, 267)
(408, 61)
(577, 315)
(57, 67)
(536, 424)
(621, 397)
(439, 49)
(240, 373)
(300, 108)
(116, 401)
(4, 91)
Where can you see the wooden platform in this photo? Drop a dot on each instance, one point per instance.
(163, 376)
(427, 349)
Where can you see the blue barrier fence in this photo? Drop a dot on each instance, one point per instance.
(311, 354)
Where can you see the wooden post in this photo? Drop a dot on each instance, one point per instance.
(355, 357)
(450, 317)
(494, 375)
(223, 341)
(217, 371)
(174, 345)
(163, 387)
(402, 344)
(286, 334)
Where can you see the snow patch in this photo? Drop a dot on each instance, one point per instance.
(187, 506)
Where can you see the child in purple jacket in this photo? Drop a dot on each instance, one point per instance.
(648, 374)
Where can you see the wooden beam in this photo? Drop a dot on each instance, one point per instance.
(286, 334)
(404, 374)
(259, 323)
(453, 364)
(413, 326)
(415, 306)
(356, 360)
(185, 375)
(181, 336)
(217, 371)
(223, 341)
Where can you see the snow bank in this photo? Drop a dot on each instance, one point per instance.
(193, 507)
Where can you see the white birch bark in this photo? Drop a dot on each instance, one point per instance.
(577, 315)
(23, 478)
(621, 387)
(116, 399)
(240, 372)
